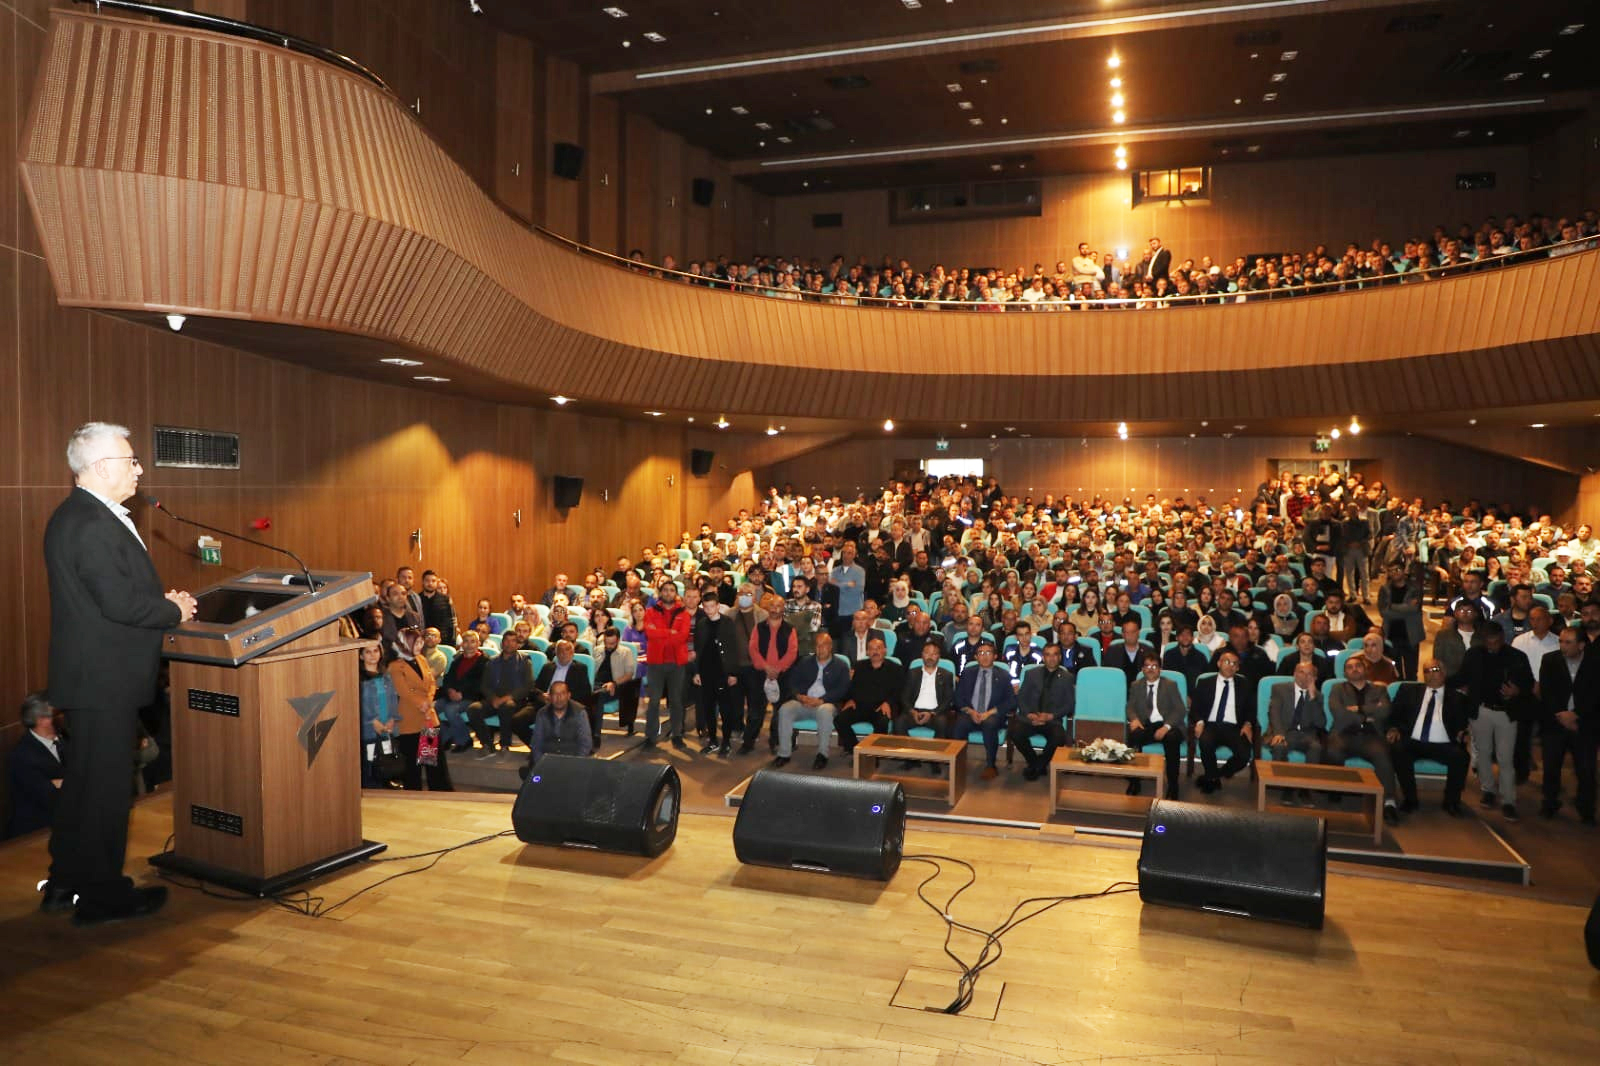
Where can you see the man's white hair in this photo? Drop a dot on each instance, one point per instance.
(87, 442)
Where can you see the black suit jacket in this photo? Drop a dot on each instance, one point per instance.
(107, 610)
(1117, 656)
(1160, 264)
(1244, 700)
(33, 797)
(1556, 685)
(577, 682)
(1408, 704)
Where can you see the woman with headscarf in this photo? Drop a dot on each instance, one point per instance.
(1286, 622)
(415, 687)
(1206, 635)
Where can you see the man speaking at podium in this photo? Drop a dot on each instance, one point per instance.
(107, 613)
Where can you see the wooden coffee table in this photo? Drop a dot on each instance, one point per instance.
(1069, 774)
(1346, 780)
(872, 751)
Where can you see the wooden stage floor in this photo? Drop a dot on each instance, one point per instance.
(508, 954)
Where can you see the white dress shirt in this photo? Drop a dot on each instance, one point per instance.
(1432, 699)
(928, 693)
(122, 515)
(53, 743)
(1155, 715)
(1225, 701)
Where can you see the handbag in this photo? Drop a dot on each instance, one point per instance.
(428, 748)
(388, 764)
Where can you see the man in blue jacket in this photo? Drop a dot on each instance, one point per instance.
(984, 701)
(820, 683)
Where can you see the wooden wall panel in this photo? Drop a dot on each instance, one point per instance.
(671, 192)
(1287, 205)
(516, 161)
(563, 123)
(603, 177)
(640, 143)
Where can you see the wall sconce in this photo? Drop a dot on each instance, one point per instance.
(516, 517)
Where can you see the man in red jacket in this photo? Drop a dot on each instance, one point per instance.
(666, 629)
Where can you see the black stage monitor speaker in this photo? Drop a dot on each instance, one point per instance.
(568, 491)
(703, 190)
(629, 807)
(829, 824)
(568, 161)
(1591, 934)
(1272, 866)
(700, 461)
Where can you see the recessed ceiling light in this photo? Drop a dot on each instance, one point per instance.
(175, 322)
(1463, 133)
(739, 110)
(1546, 74)
(1116, 83)
(1119, 117)
(653, 37)
(1282, 75)
(722, 422)
(1122, 164)
(1003, 120)
(1539, 53)
(785, 140)
(1472, 421)
(994, 166)
(615, 12)
(772, 431)
(1268, 97)
(691, 418)
(1488, 133)
(888, 425)
(1113, 61)
(763, 125)
(396, 361)
(429, 377)
(561, 401)
(1238, 100)
(1569, 30)
(1117, 100)
(1535, 425)
(953, 87)
(627, 43)
(965, 105)
(1288, 57)
(975, 121)
(710, 110)
(1515, 75)
(653, 414)
(1253, 148)
(1122, 153)
(912, 5)
(964, 425)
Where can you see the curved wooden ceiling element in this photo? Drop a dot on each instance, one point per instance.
(184, 171)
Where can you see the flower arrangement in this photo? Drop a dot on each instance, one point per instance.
(1106, 750)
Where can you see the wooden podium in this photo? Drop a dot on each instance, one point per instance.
(266, 732)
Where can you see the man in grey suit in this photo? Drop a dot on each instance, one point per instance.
(1047, 700)
(1296, 721)
(1156, 715)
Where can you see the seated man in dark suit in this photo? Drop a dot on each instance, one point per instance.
(913, 634)
(506, 688)
(1156, 715)
(984, 700)
(563, 667)
(1047, 701)
(1074, 656)
(1297, 721)
(35, 768)
(928, 697)
(1223, 712)
(1305, 647)
(876, 685)
(1127, 653)
(1429, 721)
(1360, 726)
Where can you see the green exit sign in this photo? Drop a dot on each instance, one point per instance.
(210, 551)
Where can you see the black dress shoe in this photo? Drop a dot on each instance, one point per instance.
(1408, 805)
(678, 743)
(1391, 814)
(649, 744)
(1453, 808)
(725, 750)
(747, 747)
(1030, 774)
(820, 762)
(781, 760)
(1209, 785)
(56, 900)
(138, 903)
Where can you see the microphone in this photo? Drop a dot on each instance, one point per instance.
(304, 569)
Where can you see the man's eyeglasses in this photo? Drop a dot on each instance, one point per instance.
(133, 459)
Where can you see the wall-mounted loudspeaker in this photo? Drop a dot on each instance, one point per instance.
(567, 161)
(1272, 866)
(703, 190)
(568, 491)
(827, 824)
(700, 461)
(606, 805)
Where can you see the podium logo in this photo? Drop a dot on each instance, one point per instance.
(313, 728)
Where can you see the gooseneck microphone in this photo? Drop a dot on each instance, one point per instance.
(304, 569)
